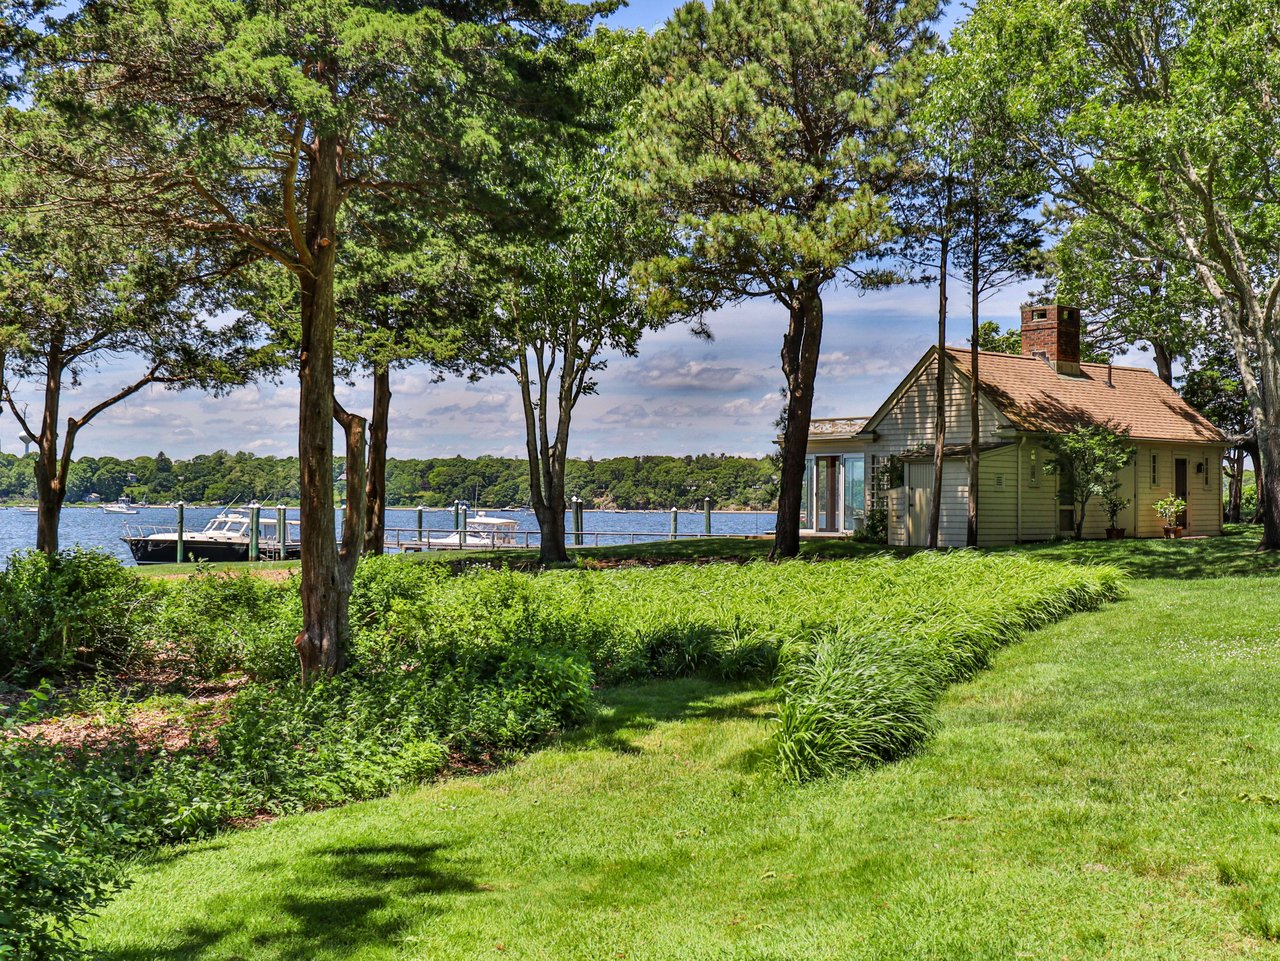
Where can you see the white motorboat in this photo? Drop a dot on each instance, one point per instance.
(482, 533)
(122, 506)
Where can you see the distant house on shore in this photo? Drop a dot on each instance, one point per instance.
(885, 461)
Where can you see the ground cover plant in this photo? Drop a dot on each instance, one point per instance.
(1100, 793)
(490, 663)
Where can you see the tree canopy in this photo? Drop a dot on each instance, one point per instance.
(771, 140)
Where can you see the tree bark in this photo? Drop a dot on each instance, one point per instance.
(975, 262)
(376, 485)
(800, 347)
(546, 470)
(940, 408)
(50, 487)
(1235, 488)
(1164, 361)
(1250, 447)
(321, 644)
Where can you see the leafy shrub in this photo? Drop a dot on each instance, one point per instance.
(72, 610)
(289, 749)
(54, 828)
(209, 624)
(876, 529)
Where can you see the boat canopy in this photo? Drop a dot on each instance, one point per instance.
(484, 520)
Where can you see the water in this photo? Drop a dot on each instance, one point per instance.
(90, 527)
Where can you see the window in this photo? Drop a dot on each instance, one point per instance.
(1034, 477)
(1155, 471)
(855, 492)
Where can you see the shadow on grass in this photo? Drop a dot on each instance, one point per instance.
(629, 712)
(1235, 554)
(337, 901)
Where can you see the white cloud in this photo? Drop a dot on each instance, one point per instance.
(681, 395)
(675, 370)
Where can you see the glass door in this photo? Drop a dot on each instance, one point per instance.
(855, 492)
(827, 494)
(1180, 487)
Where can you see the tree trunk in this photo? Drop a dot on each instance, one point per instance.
(1164, 362)
(940, 386)
(975, 262)
(1251, 448)
(50, 486)
(1268, 480)
(546, 477)
(550, 514)
(376, 486)
(322, 642)
(800, 348)
(1235, 489)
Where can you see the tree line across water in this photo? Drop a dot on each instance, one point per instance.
(627, 483)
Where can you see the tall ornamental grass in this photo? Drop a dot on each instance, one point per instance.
(861, 650)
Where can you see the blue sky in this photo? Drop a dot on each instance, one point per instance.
(680, 395)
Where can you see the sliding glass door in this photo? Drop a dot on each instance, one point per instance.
(827, 494)
(855, 492)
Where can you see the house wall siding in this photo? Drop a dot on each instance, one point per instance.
(908, 424)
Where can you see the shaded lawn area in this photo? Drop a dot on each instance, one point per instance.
(1235, 554)
(1108, 790)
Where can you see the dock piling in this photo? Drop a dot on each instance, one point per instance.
(282, 530)
(255, 518)
(675, 522)
(706, 516)
(577, 521)
(179, 553)
(420, 523)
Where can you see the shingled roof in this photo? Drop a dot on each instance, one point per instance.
(1035, 397)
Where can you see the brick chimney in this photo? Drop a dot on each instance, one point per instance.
(1051, 332)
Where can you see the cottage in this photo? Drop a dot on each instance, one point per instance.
(885, 461)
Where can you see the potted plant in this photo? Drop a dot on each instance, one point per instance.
(1169, 508)
(1113, 504)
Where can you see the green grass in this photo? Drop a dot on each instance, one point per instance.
(1106, 791)
(1235, 554)
(204, 567)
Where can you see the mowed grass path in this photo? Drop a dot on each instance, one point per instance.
(1107, 790)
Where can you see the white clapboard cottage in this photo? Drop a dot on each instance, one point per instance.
(885, 461)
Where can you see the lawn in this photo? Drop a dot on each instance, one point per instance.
(1109, 789)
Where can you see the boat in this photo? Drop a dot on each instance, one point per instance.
(122, 506)
(225, 538)
(483, 532)
(30, 510)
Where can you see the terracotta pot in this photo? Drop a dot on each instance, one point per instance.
(1115, 533)
(1171, 532)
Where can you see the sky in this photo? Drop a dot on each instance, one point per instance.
(681, 395)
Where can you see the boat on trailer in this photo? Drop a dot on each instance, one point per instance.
(228, 537)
